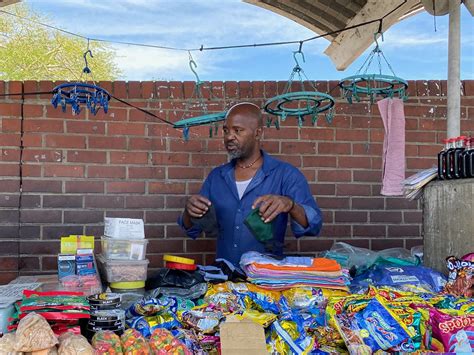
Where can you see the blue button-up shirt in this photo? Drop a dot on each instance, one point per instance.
(275, 177)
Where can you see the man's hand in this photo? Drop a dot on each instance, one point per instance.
(271, 206)
(197, 206)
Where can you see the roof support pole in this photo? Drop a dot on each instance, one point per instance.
(454, 64)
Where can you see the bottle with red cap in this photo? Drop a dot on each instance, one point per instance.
(457, 161)
(442, 160)
(467, 158)
(449, 173)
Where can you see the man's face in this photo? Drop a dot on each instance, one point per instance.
(240, 136)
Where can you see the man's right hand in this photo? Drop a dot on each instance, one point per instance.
(197, 206)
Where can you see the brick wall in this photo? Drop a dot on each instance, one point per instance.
(79, 169)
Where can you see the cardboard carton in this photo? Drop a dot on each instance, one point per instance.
(242, 337)
(124, 228)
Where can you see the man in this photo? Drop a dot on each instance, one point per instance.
(252, 179)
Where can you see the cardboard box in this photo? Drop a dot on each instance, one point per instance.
(66, 265)
(124, 228)
(242, 337)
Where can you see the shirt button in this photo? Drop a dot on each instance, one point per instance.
(238, 210)
(235, 245)
(237, 227)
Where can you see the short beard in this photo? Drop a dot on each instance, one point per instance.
(235, 154)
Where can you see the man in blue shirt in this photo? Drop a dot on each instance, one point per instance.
(252, 179)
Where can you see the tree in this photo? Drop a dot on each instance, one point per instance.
(30, 51)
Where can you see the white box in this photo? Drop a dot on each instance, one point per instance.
(123, 249)
(124, 228)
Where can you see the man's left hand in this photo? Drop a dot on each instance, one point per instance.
(271, 206)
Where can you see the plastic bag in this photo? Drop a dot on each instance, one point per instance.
(72, 344)
(163, 342)
(33, 334)
(7, 345)
(107, 342)
(134, 343)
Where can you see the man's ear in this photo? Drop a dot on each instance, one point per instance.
(259, 133)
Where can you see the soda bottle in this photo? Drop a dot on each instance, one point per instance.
(470, 160)
(442, 160)
(466, 168)
(449, 173)
(457, 162)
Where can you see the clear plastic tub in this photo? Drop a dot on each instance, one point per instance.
(123, 249)
(122, 270)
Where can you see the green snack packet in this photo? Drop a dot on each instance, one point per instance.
(262, 231)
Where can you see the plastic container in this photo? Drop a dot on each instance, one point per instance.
(122, 270)
(123, 249)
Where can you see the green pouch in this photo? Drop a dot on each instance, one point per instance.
(262, 231)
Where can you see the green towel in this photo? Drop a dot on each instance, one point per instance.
(262, 231)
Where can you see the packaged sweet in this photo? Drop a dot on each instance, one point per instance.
(51, 351)
(107, 342)
(226, 302)
(147, 325)
(33, 334)
(461, 276)
(147, 307)
(7, 345)
(202, 321)
(286, 339)
(162, 342)
(380, 328)
(72, 344)
(455, 332)
(264, 319)
(133, 343)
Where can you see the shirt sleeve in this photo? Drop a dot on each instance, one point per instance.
(195, 231)
(297, 188)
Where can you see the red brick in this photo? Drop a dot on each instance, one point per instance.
(421, 163)
(162, 216)
(134, 90)
(353, 162)
(64, 170)
(468, 86)
(46, 125)
(367, 175)
(385, 216)
(39, 248)
(62, 201)
(380, 244)
(104, 201)
(9, 169)
(123, 187)
(170, 159)
(351, 216)
(176, 89)
(211, 160)
(412, 242)
(116, 172)
(113, 114)
(146, 172)
(144, 202)
(33, 110)
(160, 130)
(126, 129)
(107, 142)
(322, 189)
(10, 109)
(120, 89)
(335, 230)
(88, 156)
(41, 216)
(60, 141)
(166, 246)
(83, 217)
(42, 186)
(30, 170)
(32, 140)
(166, 188)
(352, 135)
(85, 127)
(286, 133)
(353, 190)
(413, 217)
(404, 231)
(10, 154)
(231, 89)
(175, 201)
(128, 157)
(334, 175)
(126, 214)
(333, 202)
(185, 173)
(319, 161)
(10, 125)
(372, 203)
(162, 89)
(334, 148)
(10, 140)
(147, 90)
(294, 160)
(154, 144)
(368, 230)
(395, 203)
(84, 187)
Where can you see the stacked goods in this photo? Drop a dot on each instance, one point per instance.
(105, 314)
(290, 272)
(179, 263)
(63, 310)
(77, 268)
(122, 262)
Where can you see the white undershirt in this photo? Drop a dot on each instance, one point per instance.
(242, 186)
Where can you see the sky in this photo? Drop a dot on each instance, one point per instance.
(412, 47)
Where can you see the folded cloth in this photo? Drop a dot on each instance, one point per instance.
(393, 156)
(262, 231)
(208, 222)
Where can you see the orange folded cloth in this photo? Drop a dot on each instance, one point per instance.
(319, 264)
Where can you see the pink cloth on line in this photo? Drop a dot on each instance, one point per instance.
(393, 155)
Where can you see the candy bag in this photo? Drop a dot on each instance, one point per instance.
(73, 344)
(133, 343)
(33, 334)
(162, 342)
(107, 342)
(455, 332)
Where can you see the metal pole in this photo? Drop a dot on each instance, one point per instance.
(454, 63)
